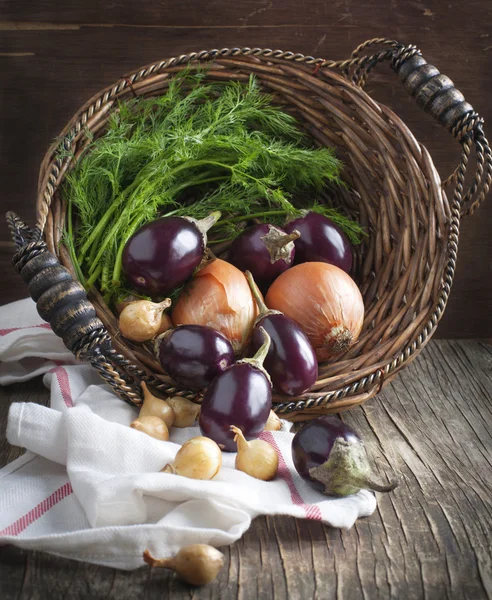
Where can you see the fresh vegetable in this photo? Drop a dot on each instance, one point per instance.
(218, 296)
(193, 355)
(198, 458)
(198, 148)
(155, 407)
(153, 426)
(291, 361)
(141, 320)
(256, 458)
(242, 395)
(320, 240)
(264, 250)
(273, 422)
(324, 301)
(163, 254)
(330, 456)
(185, 411)
(197, 564)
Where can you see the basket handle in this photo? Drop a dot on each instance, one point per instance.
(436, 94)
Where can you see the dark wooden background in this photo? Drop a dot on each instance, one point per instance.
(54, 55)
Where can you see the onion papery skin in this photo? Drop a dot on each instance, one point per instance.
(324, 301)
(219, 296)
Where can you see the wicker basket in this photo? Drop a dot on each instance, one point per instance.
(405, 267)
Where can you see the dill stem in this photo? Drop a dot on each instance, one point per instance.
(93, 278)
(119, 255)
(70, 244)
(98, 229)
(265, 213)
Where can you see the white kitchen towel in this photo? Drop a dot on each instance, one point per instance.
(90, 488)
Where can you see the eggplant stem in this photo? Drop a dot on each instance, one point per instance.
(283, 240)
(256, 294)
(263, 308)
(205, 224)
(258, 359)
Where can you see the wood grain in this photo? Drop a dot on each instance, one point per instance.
(54, 55)
(430, 538)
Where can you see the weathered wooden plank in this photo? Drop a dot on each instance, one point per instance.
(430, 538)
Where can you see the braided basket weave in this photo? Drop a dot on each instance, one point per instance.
(404, 268)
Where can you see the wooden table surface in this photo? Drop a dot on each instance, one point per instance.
(430, 538)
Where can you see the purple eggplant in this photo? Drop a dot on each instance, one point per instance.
(240, 396)
(331, 456)
(265, 250)
(164, 253)
(320, 241)
(291, 361)
(193, 355)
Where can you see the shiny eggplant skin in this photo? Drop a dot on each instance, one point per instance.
(162, 255)
(320, 241)
(193, 355)
(240, 396)
(249, 252)
(291, 361)
(313, 443)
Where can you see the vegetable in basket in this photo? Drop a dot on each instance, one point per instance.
(331, 457)
(193, 355)
(265, 250)
(240, 396)
(291, 361)
(142, 320)
(324, 301)
(320, 240)
(163, 254)
(218, 296)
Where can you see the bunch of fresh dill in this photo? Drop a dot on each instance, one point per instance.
(241, 154)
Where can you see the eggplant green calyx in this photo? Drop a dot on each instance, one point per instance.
(347, 471)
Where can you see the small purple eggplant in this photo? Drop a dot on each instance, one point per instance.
(320, 241)
(265, 250)
(331, 457)
(240, 396)
(291, 361)
(193, 355)
(164, 253)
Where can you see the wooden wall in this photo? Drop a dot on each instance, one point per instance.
(54, 55)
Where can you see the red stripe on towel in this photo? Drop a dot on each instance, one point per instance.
(312, 511)
(38, 511)
(40, 326)
(64, 385)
